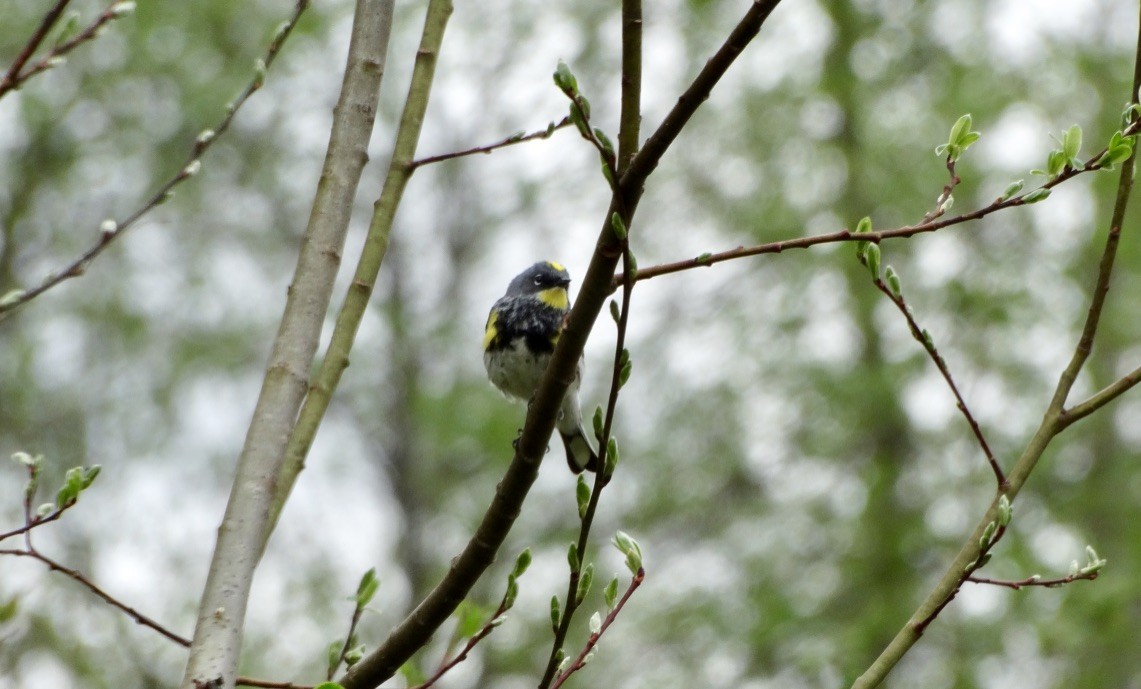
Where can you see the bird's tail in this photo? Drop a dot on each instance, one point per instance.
(580, 452)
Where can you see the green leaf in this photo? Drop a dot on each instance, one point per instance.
(333, 653)
(607, 144)
(511, 593)
(595, 623)
(584, 582)
(582, 494)
(1005, 512)
(1072, 142)
(89, 476)
(704, 258)
(610, 593)
(630, 548)
(1036, 195)
(522, 562)
(865, 225)
(872, 258)
(1011, 189)
(573, 557)
(564, 79)
(618, 225)
(411, 673)
(597, 420)
(555, 614)
(330, 685)
(367, 588)
(961, 127)
(624, 373)
(614, 313)
(893, 283)
(611, 456)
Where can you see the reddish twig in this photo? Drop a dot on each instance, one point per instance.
(509, 141)
(709, 259)
(1034, 581)
(580, 661)
(33, 522)
(108, 598)
(111, 230)
(16, 76)
(447, 665)
(12, 77)
(924, 338)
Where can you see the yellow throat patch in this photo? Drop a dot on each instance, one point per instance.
(555, 297)
(491, 332)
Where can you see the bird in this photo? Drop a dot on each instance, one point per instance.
(521, 332)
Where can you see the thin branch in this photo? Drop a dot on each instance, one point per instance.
(924, 339)
(354, 620)
(1100, 399)
(509, 141)
(1052, 423)
(32, 522)
(12, 78)
(268, 684)
(1034, 581)
(483, 633)
(78, 576)
(580, 661)
(249, 515)
(512, 490)
(877, 236)
(112, 230)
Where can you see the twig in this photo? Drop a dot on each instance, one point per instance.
(15, 78)
(945, 195)
(580, 661)
(354, 620)
(1034, 581)
(31, 521)
(924, 338)
(1100, 399)
(509, 141)
(12, 78)
(268, 684)
(108, 598)
(112, 230)
(448, 664)
(877, 236)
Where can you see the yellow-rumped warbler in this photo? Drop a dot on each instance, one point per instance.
(521, 333)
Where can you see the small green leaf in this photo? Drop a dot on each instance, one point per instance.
(555, 614)
(11, 297)
(611, 456)
(354, 655)
(872, 258)
(614, 313)
(988, 532)
(573, 558)
(511, 593)
(582, 493)
(1055, 163)
(411, 673)
(1005, 512)
(629, 547)
(1036, 195)
(607, 144)
(333, 653)
(618, 225)
(610, 593)
(521, 563)
(893, 283)
(584, 582)
(961, 127)
(469, 619)
(597, 421)
(367, 588)
(1011, 189)
(865, 225)
(704, 258)
(329, 685)
(624, 373)
(1072, 142)
(564, 79)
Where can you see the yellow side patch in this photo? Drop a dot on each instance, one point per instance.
(491, 331)
(555, 297)
(557, 266)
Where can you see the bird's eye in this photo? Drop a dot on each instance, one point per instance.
(538, 281)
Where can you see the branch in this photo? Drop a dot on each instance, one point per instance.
(580, 661)
(924, 338)
(480, 551)
(509, 141)
(928, 225)
(111, 230)
(218, 634)
(137, 616)
(12, 78)
(1100, 399)
(496, 619)
(1052, 424)
(1034, 581)
(336, 359)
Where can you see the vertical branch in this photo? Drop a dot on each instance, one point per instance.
(352, 311)
(1053, 422)
(218, 634)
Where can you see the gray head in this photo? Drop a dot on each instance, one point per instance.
(538, 278)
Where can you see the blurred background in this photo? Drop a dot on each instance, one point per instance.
(792, 464)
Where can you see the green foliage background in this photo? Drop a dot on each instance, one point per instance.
(793, 467)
